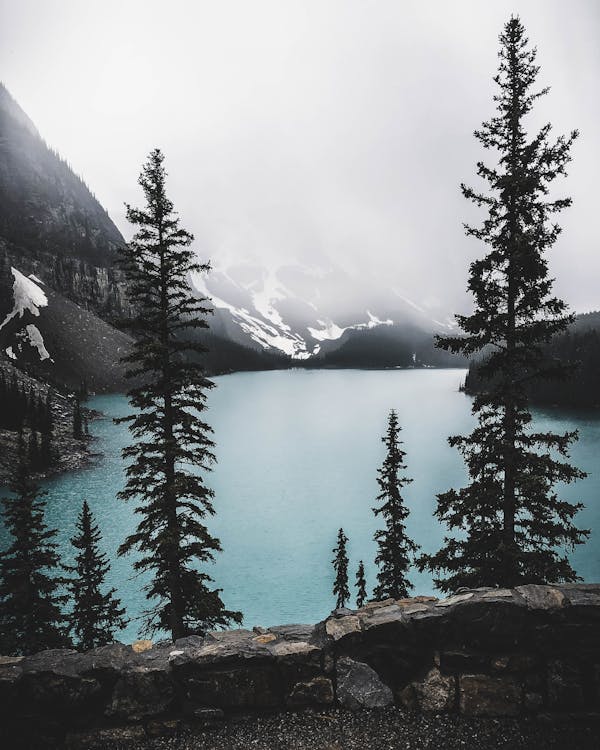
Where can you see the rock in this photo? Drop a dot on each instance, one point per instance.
(541, 597)
(294, 632)
(411, 609)
(481, 695)
(497, 594)
(255, 686)
(456, 599)
(142, 692)
(140, 646)
(389, 615)
(105, 662)
(464, 661)
(565, 686)
(189, 641)
(343, 627)
(342, 612)
(435, 692)
(316, 692)
(265, 638)
(517, 663)
(51, 681)
(359, 686)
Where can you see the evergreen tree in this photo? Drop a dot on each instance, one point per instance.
(170, 437)
(95, 615)
(340, 565)
(33, 452)
(361, 585)
(514, 525)
(395, 549)
(31, 618)
(77, 420)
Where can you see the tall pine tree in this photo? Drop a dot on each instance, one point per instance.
(172, 447)
(31, 617)
(395, 549)
(361, 585)
(514, 525)
(95, 615)
(340, 566)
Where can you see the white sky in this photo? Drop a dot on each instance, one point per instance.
(324, 131)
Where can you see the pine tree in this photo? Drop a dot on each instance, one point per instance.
(395, 549)
(31, 617)
(95, 615)
(361, 585)
(515, 527)
(340, 566)
(170, 437)
(77, 421)
(33, 451)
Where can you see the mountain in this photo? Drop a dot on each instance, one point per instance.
(579, 346)
(53, 339)
(51, 224)
(320, 317)
(57, 236)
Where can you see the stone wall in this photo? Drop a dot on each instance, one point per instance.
(486, 652)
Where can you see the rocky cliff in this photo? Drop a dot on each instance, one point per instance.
(50, 222)
(530, 651)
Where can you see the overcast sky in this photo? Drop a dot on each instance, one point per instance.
(326, 131)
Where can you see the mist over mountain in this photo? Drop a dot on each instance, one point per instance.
(57, 243)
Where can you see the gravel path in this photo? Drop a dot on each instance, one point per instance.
(389, 729)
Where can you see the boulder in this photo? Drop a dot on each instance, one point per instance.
(142, 692)
(315, 692)
(359, 686)
(482, 695)
(342, 627)
(541, 597)
(435, 692)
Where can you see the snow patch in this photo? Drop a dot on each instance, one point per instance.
(9, 351)
(27, 296)
(37, 341)
(33, 277)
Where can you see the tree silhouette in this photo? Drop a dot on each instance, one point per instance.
(340, 566)
(361, 585)
(514, 525)
(95, 615)
(31, 617)
(172, 447)
(395, 549)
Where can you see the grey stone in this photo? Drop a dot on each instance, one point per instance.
(359, 686)
(315, 692)
(541, 597)
(338, 629)
(389, 615)
(295, 632)
(435, 692)
(482, 695)
(141, 692)
(456, 599)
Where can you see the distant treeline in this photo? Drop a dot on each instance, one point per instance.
(579, 346)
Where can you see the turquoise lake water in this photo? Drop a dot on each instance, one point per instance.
(297, 457)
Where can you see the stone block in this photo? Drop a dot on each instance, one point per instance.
(359, 686)
(484, 695)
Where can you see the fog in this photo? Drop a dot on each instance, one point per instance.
(325, 133)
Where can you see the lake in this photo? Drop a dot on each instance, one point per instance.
(298, 453)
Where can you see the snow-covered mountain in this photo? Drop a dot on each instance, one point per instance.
(303, 312)
(54, 339)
